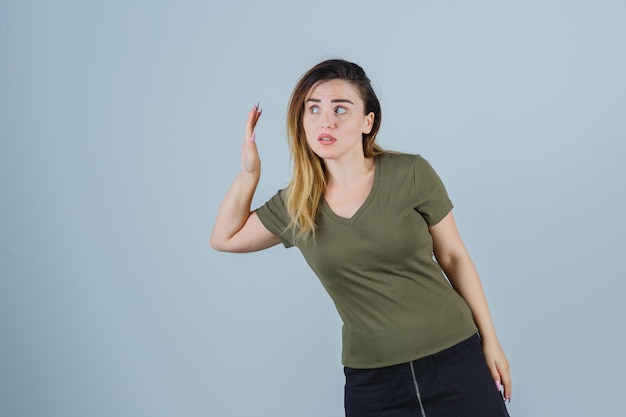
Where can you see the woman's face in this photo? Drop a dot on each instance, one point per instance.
(334, 120)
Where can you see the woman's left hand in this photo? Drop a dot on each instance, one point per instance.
(498, 366)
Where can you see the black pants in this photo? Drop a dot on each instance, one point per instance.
(452, 383)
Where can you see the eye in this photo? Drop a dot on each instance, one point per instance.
(314, 109)
(340, 110)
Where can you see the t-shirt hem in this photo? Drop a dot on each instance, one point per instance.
(410, 357)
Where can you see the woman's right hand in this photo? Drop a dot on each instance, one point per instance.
(237, 229)
(250, 160)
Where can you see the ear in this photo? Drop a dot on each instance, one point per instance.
(368, 123)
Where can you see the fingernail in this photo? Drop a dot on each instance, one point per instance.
(498, 386)
(253, 137)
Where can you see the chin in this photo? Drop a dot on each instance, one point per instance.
(325, 155)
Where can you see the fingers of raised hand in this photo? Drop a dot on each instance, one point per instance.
(253, 118)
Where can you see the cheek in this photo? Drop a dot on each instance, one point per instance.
(309, 129)
(309, 140)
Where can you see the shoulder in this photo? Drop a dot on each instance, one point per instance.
(275, 206)
(402, 162)
(413, 170)
(400, 157)
(278, 198)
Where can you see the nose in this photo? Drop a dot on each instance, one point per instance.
(328, 120)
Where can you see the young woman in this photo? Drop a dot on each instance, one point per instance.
(368, 223)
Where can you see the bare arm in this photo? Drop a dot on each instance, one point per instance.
(460, 270)
(237, 229)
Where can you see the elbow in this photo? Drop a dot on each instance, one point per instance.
(217, 244)
(447, 261)
(225, 245)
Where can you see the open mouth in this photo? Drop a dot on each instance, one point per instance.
(326, 139)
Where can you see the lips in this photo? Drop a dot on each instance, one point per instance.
(326, 139)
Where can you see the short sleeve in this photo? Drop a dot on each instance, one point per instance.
(433, 202)
(273, 214)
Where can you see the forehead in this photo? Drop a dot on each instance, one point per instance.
(334, 89)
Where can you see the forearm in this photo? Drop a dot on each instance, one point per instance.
(465, 279)
(458, 266)
(234, 209)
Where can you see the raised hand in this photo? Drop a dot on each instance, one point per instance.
(237, 228)
(250, 161)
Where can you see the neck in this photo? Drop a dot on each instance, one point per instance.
(345, 172)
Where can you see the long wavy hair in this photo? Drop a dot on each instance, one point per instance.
(308, 178)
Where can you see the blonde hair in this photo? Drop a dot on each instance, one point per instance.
(308, 178)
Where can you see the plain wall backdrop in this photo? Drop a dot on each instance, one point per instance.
(120, 131)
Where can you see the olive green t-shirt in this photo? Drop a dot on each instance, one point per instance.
(378, 267)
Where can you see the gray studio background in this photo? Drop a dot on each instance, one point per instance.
(120, 130)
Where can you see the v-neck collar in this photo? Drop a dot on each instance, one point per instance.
(350, 221)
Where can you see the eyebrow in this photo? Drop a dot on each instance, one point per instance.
(337, 100)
